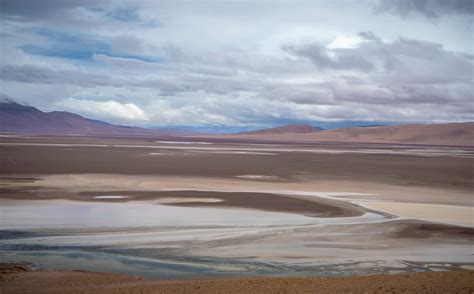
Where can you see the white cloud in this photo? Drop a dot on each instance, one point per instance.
(189, 114)
(110, 110)
(346, 42)
(181, 69)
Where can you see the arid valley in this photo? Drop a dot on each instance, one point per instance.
(234, 147)
(187, 210)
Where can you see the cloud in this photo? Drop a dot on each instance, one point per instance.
(402, 73)
(304, 62)
(347, 41)
(58, 44)
(337, 58)
(110, 110)
(125, 14)
(127, 44)
(189, 114)
(30, 10)
(428, 8)
(45, 75)
(402, 60)
(61, 14)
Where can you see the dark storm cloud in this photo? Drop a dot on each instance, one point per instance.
(427, 8)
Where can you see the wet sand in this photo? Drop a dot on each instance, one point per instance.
(306, 195)
(89, 282)
(319, 207)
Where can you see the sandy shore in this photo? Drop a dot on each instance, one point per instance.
(21, 281)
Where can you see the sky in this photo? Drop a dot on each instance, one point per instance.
(241, 63)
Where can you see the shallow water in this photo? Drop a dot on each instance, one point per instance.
(70, 259)
(146, 238)
(143, 238)
(67, 214)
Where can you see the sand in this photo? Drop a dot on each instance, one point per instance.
(89, 282)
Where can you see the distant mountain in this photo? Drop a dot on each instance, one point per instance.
(287, 129)
(213, 129)
(436, 134)
(235, 129)
(461, 134)
(17, 118)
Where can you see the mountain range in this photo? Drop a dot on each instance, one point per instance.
(459, 134)
(287, 129)
(18, 118)
(24, 119)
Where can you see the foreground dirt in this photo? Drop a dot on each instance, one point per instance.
(88, 282)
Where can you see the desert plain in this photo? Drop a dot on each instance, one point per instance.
(212, 209)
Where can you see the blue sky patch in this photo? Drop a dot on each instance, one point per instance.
(76, 47)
